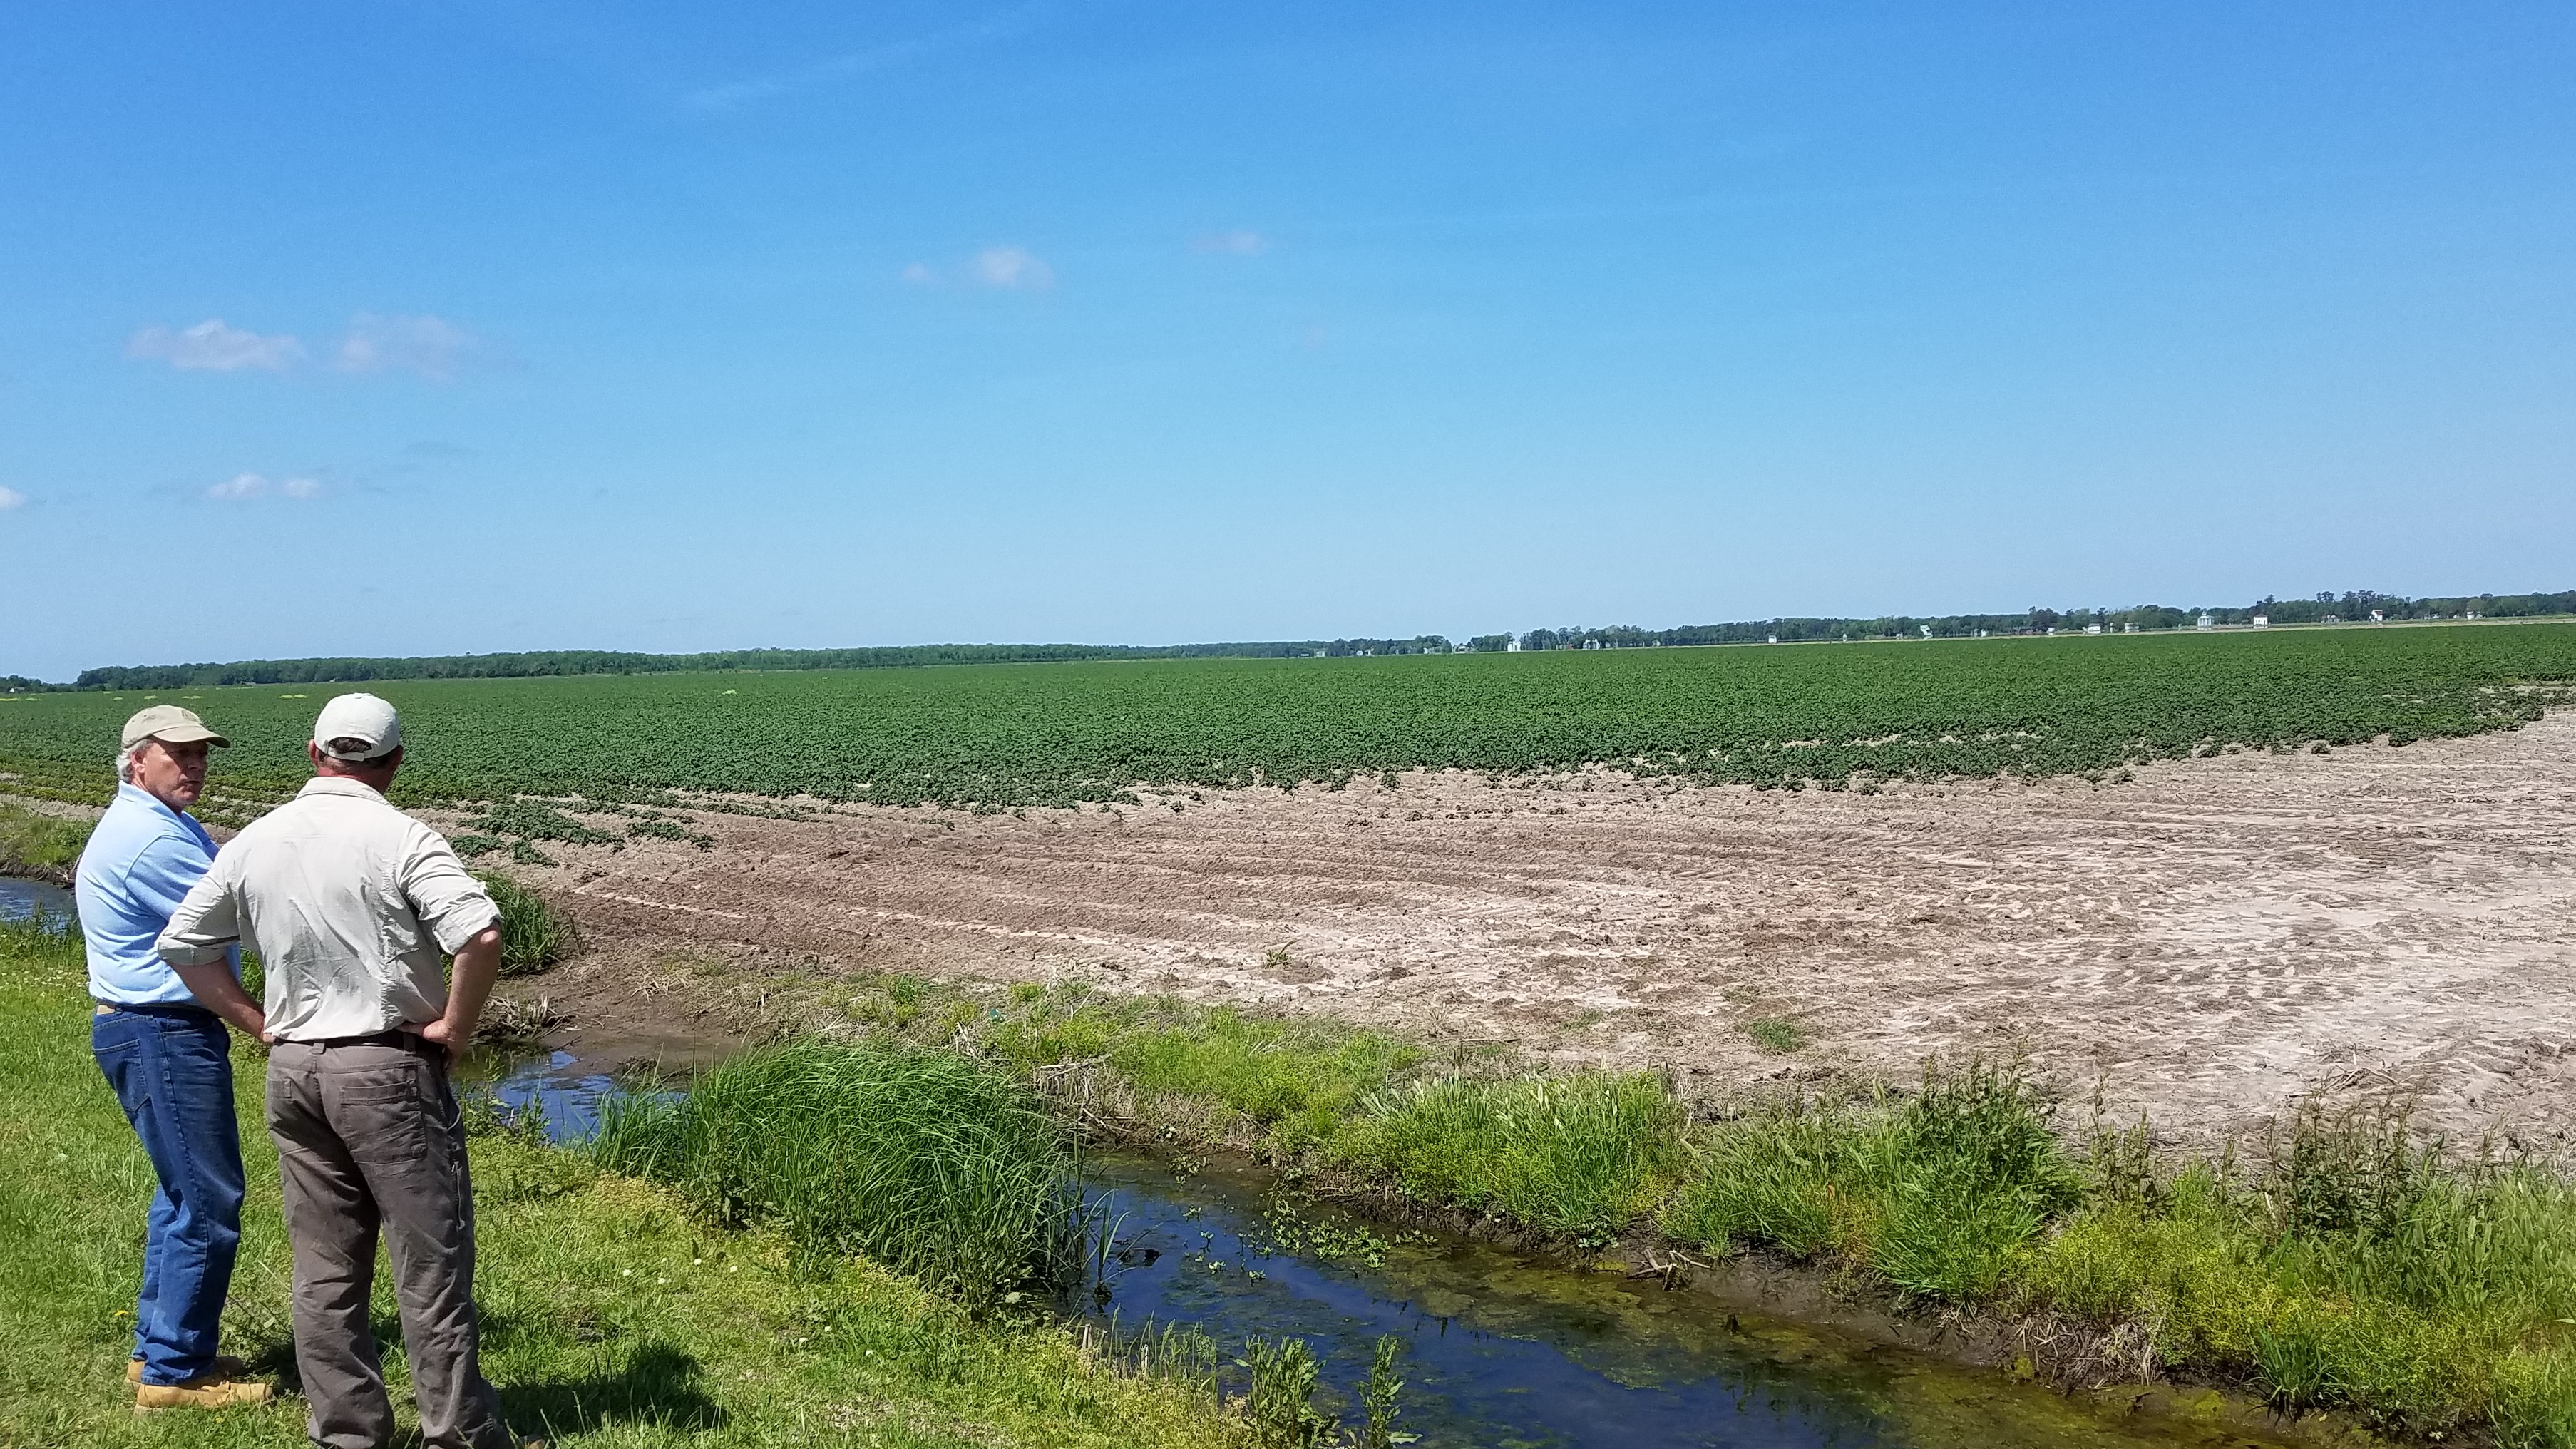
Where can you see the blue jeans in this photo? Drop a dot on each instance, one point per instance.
(171, 1068)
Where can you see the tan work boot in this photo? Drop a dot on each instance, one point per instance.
(226, 1367)
(205, 1391)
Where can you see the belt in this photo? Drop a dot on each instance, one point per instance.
(157, 1008)
(392, 1037)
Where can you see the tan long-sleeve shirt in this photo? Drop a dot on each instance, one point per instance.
(352, 905)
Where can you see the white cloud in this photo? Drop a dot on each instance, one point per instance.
(1002, 25)
(242, 487)
(430, 346)
(210, 346)
(1231, 243)
(920, 276)
(11, 498)
(1013, 267)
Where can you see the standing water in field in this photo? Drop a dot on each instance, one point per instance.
(1500, 1349)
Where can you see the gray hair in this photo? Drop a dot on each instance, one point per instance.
(125, 764)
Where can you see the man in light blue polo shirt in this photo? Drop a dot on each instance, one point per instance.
(168, 1059)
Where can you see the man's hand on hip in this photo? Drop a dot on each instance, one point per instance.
(469, 984)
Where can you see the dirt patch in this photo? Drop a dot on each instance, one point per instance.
(2216, 936)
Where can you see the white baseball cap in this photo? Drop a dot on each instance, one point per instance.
(363, 718)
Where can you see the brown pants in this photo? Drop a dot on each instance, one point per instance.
(369, 1136)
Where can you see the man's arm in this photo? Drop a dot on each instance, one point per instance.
(218, 991)
(469, 985)
(198, 944)
(467, 925)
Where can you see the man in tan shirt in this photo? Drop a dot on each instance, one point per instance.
(352, 906)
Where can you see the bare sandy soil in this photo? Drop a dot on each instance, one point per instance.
(2211, 939)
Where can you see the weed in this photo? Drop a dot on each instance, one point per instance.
(1294, 1230)
(1942, 1196)
(2295, 1364)
(533, 935)
(2533, 1404)
(1579, 1155)
(660, 829)
(484, 1115)
(1378, 1398)
(1280, 1405)
(1777, 1035)
(514, 1024)
(932, 1162)
(1296, 1082)
(529, 821)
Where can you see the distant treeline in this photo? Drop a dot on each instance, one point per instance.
(600, 661)
(2352, 607)
(2356, 606)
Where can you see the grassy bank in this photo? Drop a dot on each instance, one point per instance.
(2344, 1262)
(39, 847)
(615, 1316)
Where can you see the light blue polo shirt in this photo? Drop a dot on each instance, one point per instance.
(141, 859)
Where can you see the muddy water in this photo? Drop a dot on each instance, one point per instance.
(1501, 1349)
(20, 899)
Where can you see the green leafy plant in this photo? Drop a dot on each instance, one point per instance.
(1776, 1035)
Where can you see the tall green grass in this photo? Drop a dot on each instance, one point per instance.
(534, 935)
(1297, 1083)
(2349, 1264)
(2354, 1263)
(931, 1162)
(1580, 1156)
(1943, 1195)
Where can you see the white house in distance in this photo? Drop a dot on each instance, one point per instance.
(2262, 621)
(2206, 622)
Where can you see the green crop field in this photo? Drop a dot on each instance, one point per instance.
(1063, 734)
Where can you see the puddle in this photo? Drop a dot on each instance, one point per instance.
(1503, 1351)
(565, 1097)
(23, 899)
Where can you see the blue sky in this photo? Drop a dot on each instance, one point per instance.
(405, 328)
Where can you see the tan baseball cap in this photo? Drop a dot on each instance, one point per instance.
(171, 725)
(363, 718)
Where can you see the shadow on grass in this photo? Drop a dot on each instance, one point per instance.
(651, 1383)
(643, 1381)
